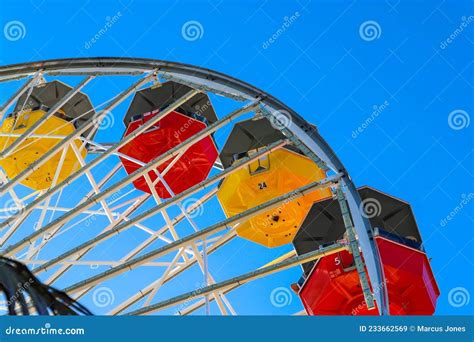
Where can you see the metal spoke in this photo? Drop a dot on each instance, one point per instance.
(70, 138)
(28, 84)
(297, 260)
(205, 232)
(46, 116)
(144, 292)
(15, 248)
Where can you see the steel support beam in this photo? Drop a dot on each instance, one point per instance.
(228, 223)
(178, 270)
(48, 114)
(354, 249)
(242, 279)
(150, 212)
(27, 85)
(138, 173)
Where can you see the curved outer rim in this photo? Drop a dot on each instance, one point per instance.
(298, 126)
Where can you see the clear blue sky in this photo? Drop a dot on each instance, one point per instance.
(331, 72)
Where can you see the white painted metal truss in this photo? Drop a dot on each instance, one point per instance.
(112, 206)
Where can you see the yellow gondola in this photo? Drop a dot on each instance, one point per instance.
(33, 148)
(276, 174)
(29, 109)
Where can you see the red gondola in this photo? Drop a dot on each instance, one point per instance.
(194, 165)
(331, 286)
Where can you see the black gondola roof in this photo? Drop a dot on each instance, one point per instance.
(162, 95)
(46, 95)
(246, 136)
(324, 224)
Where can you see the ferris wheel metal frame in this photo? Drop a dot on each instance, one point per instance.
(193, 248)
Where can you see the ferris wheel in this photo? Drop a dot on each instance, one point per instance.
(128, 174)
